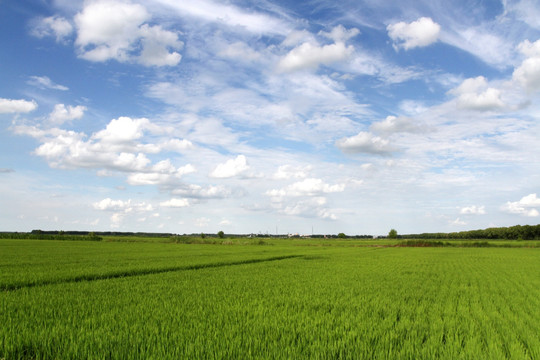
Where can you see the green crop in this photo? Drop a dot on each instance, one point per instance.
(269, 302)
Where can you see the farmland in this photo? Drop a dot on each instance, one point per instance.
(277, 299)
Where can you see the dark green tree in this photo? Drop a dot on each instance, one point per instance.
(341, 235)
(392, 234)
(221, 234)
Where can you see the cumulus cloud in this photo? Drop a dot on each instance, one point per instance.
(61, 113)
(177, 145)
(118, 147)
(111, 30)
(231, 168)
(528, 73)
(175, 203)
(473, 210)
(309, 55)
(161, 173)
(121, 209)
(365, 142)
(419, 33)
(44, 82)
(527, 206)
(124, 129)
(474, 94)
(156, 42)
(9, 106)
(56, 26)
(127, 206)
(394, 124)
(307, 187)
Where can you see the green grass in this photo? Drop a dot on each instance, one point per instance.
(280, 301)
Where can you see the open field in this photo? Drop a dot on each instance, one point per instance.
(166, 300)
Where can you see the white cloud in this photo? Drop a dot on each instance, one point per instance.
(56, 26)
(307, 187)
(184, 170)
(177, 145)
(239, 51)
(229, 15)
(288, 172)
(458, 222)
(175, 203)
(123, 129)
(118, 148)
(127, 206)
(526, 11)
(340, 34)
(528, 73)
(156, 43)
(312, 207)
(473, 210)
(530, 49)
(61, 113)
(474, 94)
(44, 82)
(108, 29)
(202, 222)
(419, 33)
(8, 106)
(394, 124)
(151, 178)
(161, 173)
(526, 206)
(111, 30)
(310, 56)
(231, 168)
(490, 99)
(111, 205)
(116, 219)
(225, 222)
(471, 85)
(200, 192)
(365, 142)
(296, 37)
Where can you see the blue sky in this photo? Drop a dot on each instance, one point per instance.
(265, 116)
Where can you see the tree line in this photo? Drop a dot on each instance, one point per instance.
(517, 232)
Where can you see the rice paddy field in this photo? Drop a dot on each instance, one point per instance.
(282, 299)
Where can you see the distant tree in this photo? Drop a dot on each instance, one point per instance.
(92, 236)
(221, 234)
(341, 235)
(203, 235)
(392, 234)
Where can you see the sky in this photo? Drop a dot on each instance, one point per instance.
(269, 116)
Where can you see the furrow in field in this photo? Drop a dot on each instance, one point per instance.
(140, 272)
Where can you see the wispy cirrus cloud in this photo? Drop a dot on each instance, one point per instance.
(44, 82)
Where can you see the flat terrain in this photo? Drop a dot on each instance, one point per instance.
(275, 299)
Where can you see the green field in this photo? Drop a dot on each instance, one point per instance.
(277, 299)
